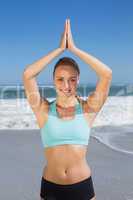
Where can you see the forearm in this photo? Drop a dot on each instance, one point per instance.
(35, 68)
(100, 68)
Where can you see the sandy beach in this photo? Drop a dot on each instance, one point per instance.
(22, 162)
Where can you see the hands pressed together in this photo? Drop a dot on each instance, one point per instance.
(67, 39)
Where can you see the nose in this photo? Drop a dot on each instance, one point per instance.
(66, 84)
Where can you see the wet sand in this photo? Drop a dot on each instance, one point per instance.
(22, 161)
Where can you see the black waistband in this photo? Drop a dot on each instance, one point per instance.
(68, 185)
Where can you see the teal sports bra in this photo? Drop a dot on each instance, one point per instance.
(58, 131)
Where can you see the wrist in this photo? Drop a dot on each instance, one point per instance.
(74, 49)
(61, 49)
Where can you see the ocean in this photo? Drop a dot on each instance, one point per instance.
(112, 126)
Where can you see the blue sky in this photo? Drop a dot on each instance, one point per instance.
(31, 29)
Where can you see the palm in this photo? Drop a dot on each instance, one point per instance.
(69, 38)
(63, 37)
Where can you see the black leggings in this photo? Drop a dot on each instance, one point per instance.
(82, 190)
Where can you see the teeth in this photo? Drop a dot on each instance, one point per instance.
(66, 91)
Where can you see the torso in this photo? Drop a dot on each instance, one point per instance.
(66, 164)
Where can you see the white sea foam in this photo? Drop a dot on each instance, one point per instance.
(18, 114)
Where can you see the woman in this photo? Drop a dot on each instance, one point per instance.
(66, 122)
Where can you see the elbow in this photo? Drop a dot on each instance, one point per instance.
(26, 74)
(109, 74)
(110, 71)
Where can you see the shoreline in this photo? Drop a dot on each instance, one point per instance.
(116, 137)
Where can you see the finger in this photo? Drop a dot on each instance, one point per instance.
(69, 26)
(65, 27)
(68, 29)
(69, 23)
(64, 33)
(67, 35)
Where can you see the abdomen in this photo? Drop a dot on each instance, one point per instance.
(66, 164)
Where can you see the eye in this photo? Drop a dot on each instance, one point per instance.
(60, 79)
(73, 80)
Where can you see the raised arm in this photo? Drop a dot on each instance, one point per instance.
(104, 73)
(32, 70)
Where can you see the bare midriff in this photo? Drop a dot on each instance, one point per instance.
(66, 164)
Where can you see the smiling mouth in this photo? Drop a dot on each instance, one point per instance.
(66, 92)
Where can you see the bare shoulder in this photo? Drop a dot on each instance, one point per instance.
(45, 104)
(85, 106)
(42, 113)
(89, 113)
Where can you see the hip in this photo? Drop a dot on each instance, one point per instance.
(80, 190)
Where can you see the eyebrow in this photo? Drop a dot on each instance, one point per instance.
(63, 77)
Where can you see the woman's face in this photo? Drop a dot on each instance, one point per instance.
(66, 80)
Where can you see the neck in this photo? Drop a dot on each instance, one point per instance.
(67, 102)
